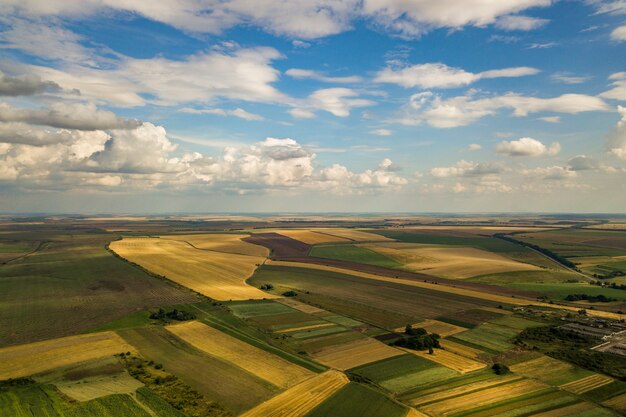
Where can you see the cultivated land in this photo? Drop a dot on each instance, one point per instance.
(24, 360)
(316, 329)
(218, 275)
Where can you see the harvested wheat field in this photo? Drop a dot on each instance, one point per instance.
(618, 403)
(311, 237)
(302, 398)
(222, 242)
(570, 410)
(356, 235)
(587, 384)
(355, 353)
(450, 360)
(271, 368)
(217, 275)
(483, 397)
(300, 306)
(24, 360)
(414, 413)
(99, 386)
(438, 394)
(448, 261)
(435, 326)
(460, 349)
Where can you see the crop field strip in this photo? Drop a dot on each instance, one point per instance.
(302, 398)
(305, 308)
(221, 242)
(587, 384)
(199, 370)
(435, 326)
(356, 235)
(448, 261)
(494, 298)
(311, 237)
(356, 353)
(460, 349)
(96, 287)
(618, 402)
(271, 368)
(450, 360)
(25, 360)
(218, 275)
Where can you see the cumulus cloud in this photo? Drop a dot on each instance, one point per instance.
(474, 147)
(617, 139)
(430, 108)
(25, 85)
(619, 34)
(527, 147)
(467, 169)
(618, 90)
(550, 173)
(302, 19)
(582, 163)
(523, 23)
(67, 116)
(314, 75)
(438, 75)
(338, 176)
(337, 101)
(238, 112)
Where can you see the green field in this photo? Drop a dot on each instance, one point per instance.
(353, 253)
(403, 373)
(356, 400)
(95, 288)
(522, 277)
(560, 291)
(487, 243)
(385, 304)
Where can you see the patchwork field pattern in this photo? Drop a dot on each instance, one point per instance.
(217, 275)
(24, 360)
(450, 360)
(311, 237)
(302, 398)
(561, 373)
(258, 362)
(448, 261)
(356, 353)
(435, 326)
(587, 384)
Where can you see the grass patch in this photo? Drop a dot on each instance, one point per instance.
(353, 253)
(356, 400)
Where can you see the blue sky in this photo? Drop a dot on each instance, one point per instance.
(354, 105)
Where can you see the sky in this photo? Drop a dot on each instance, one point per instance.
(133, 106)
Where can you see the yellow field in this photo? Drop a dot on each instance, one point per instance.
(435, 326)
(300, 306)
(357, 235)
(311, 237)
(312, 326)
(443, 288)
(480, 230)
(618, 403)
(448, 261)
(217, 275)
(460, 349)
(100, 386)
(358, 352)
(587, 384)
(302, 398)
(271, 368)
(24, 360)
(607, 226)
(480, 398)
(437, 394)
(414, 413)
(222, 242)
(449, 360)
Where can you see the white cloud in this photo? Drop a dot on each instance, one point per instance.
(618, 90)
(381, 132)
(314, 75)
(337, 101)
(523, 23)
(568, 78)
(467, 169)
(300, 44)
(550, 119)
(339, 177)
(412, 19)
(542, 45)
(438, 75)
(527, 147)
(463, 110)
(583, 163)
(474, 147)
(619, 34)
(238, 112)
(617, 139)
(550, 173)
(68, 116)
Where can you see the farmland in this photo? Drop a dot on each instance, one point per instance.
(294, 322)
(215, 274)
